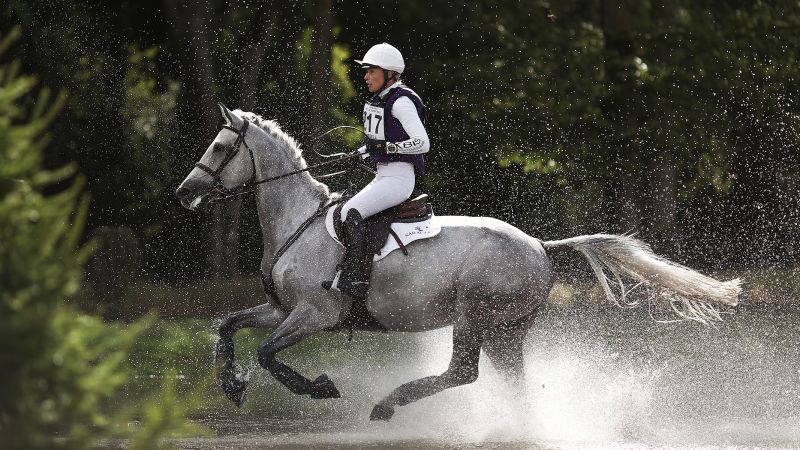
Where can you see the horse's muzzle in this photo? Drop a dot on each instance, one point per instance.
(192, 199)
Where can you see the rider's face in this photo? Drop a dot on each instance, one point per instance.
(374, 79)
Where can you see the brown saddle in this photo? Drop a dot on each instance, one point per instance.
(379, 227)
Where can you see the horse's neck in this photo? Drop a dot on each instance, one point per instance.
(283, 205)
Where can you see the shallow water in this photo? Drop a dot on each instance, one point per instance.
(606, 378)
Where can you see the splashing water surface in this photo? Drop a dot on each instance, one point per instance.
(595, 378)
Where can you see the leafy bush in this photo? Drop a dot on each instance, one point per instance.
(59, 367)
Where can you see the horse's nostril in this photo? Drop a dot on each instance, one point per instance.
(181, 192)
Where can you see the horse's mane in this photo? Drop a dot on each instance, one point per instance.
(273, 128)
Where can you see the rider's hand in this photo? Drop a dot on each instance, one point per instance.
(391, 147)
(375, 146)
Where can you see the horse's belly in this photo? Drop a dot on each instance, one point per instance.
(411, 302)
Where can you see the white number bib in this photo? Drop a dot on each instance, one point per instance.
(373, 122)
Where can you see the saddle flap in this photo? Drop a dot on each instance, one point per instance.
(378, 227)
(400, 231)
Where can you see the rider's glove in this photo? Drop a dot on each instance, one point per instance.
(375, 146)
(391, 147)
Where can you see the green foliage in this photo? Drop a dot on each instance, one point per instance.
(59, 366)
(344, 90)
(148, 111)
(164, 415)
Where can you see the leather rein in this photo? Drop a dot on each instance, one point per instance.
(221, 193)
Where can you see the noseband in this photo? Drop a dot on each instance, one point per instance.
(219, 188)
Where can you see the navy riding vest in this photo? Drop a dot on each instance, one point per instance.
(393, 130)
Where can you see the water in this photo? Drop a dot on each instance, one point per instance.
(596, 378)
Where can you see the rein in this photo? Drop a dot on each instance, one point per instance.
(223, 193)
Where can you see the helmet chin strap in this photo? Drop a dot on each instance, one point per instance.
(385, 80)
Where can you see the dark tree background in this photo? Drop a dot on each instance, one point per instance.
(676, 119)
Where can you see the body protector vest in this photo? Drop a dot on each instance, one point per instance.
(381, 125)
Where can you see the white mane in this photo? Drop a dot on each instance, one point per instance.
(273, 128)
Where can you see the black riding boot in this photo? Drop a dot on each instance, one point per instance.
(353, 276)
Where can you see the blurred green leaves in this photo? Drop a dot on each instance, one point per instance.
(60, 366)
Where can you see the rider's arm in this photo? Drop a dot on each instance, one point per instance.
(406, 112)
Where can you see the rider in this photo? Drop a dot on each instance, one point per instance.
(394, 119)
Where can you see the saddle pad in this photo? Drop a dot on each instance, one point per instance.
(407, 232)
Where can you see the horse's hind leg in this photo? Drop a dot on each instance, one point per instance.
(262, 316)
(504, 347)
(468, 335)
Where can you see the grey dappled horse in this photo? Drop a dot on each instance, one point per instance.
(481, 275)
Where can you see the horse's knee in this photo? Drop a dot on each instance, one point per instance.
(226, 327)
(469, 377)
(460, 376)
(266, 356)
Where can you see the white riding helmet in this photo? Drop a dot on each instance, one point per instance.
(384, 56)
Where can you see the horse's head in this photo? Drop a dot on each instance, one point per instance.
(227, 165)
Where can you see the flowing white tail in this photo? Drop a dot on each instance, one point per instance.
(690, 294)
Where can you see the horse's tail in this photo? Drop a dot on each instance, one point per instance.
(690, 294)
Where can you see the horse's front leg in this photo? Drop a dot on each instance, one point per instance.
(262, 316)
(303, 321)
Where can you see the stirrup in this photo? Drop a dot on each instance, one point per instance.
(332, 284)
(355, 289)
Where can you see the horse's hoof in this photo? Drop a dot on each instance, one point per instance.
(235, 390)
(381, 412)
(238, 396)
(323, 387)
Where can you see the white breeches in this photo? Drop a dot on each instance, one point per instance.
(392, 185)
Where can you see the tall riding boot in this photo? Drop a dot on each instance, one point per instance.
(353, 278)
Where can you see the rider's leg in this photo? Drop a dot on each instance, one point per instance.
(353, 278)
(393, 185)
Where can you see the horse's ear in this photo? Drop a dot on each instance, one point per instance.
(227, 115)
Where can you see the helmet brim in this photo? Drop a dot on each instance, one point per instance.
(364, 65)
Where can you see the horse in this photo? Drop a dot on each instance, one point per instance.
(482, 276)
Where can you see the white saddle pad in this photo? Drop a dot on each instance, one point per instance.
(407, 232)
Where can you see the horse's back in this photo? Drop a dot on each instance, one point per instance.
(472, 259)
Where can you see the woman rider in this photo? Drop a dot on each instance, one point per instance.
(394, 119)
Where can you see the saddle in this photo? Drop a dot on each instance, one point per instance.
(377, 230)
(379, 227)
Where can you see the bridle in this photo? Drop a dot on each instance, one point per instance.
(230, 152)
(222, 193)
